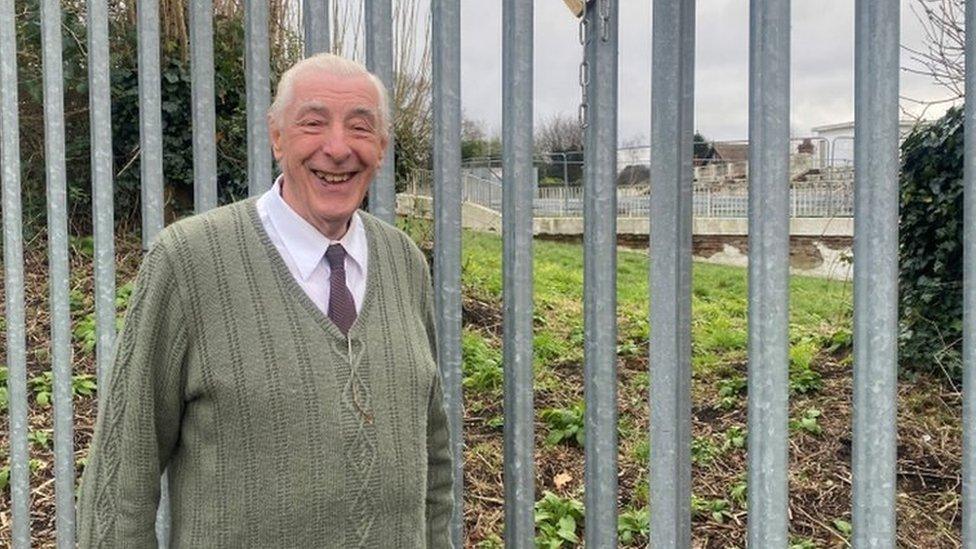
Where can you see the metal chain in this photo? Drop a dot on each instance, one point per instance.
(584, 66)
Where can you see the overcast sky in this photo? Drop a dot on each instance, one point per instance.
(822, 65)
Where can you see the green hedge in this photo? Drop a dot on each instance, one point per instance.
(930, 247)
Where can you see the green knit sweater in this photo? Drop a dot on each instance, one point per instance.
(277, 430)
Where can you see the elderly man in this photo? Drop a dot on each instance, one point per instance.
(278, 357)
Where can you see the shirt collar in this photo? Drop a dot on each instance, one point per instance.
(304, 242)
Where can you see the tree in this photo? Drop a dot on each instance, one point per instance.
(175, 94)
(559, 133)
(942, 56)
(701, 148)
(475, 143)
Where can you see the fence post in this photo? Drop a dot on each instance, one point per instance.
(517, 199)
(769, 260)
(600, 272)
(315, 20)
(672, 111)
(204, 123)
(446, 35)
(150, 121)
(875, 271)
(379, 59)
(13, 270)
(57, 222)
(257, 80)
(103, 211)
(969, 298)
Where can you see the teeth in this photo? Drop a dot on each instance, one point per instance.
(331, 177)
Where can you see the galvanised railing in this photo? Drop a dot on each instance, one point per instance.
(671, 211)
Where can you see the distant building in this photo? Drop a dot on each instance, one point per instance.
(730, 151)
(841, 138)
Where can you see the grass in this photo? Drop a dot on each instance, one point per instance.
(820, 386)
(719, 306)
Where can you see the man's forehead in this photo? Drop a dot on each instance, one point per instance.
(312, 81)
(325, 108)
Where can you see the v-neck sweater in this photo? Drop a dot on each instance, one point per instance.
(276, 429)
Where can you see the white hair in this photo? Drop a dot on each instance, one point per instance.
(334, 65)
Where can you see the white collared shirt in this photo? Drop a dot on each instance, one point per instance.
(302, 247)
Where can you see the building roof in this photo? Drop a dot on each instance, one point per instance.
(732, 152)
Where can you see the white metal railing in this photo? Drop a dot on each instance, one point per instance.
(825, 195)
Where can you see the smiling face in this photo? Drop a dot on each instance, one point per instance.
(328, 142)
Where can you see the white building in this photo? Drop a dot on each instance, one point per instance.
(841, 138)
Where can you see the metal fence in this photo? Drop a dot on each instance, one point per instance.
(768, 203)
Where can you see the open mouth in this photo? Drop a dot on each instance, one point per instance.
(333, 178)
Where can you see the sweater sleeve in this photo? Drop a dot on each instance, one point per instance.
(440, 468)
(139, 419)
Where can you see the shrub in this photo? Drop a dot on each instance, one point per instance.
(930, 247)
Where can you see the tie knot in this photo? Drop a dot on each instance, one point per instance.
(336, 255)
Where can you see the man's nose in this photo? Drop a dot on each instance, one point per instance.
(336, 146)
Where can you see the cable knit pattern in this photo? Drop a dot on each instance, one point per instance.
(277, 429)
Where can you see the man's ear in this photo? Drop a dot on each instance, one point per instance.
(384, 143)
(274, 133)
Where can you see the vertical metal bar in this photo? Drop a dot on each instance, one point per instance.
(315, 18)
(100, 109)
(446, 34)
(257, 67)
(151, 169)
(600, 274)
(13, 271)
(969, 294)
(150, 121)
(517, 236)
(769, 254)
(57, 222)
(672, 111)
(379, 59)
(202, 88)
(875, 271)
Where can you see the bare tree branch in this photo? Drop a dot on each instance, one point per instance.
(942, 57)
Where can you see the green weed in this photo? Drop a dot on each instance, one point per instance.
(566, 424)
(40, 438)
(482, 364)
(704, 451)
(802, 543)
(809, 422)
(734, 438)
(739, 491)
(642, 450)
(82, 385)
(845, 528)
(717, 509)
(730, 390)
(633, 524)
(557, 520)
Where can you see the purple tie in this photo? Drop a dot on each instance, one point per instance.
(342, 309)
